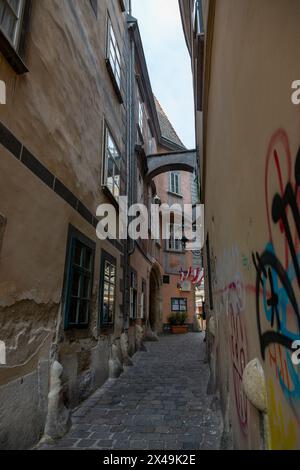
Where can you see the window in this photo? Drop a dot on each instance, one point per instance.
(79, 280)
(198, 17)
(150, 141)
(166, 279)
(175, 183)
(11, 16)
(94, 5)
(133, 296)
(179, 305)
(174, 243)
(108, 277)
(112, 165)
(141, 116)
(143, 300)
(113, 55)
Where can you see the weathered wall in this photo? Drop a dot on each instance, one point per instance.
(56, 111)
(252, 214)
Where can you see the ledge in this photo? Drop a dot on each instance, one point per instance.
(111, 197)
(114, 82)
(12, 56)
(180, 196)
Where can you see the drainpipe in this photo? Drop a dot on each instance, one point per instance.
(129, 248)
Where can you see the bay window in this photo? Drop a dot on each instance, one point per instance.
(112, 165)
(108, 277)
(113, 55)
(11, 16)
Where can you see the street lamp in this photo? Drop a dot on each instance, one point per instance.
(184, 240)
(157, 200)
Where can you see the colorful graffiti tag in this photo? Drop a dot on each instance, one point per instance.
(278, 268)
(238, 345)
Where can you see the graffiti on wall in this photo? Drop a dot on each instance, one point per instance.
(278, 268)
(232, 290)
(283, 433)
(238, 346)
(232, 302)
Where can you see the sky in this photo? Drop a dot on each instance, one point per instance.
(168, 62)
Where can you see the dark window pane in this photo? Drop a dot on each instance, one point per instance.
(76, 284)
(83, 312)
(73, 311)
(88, 260)
(86, 288)
(78, 253)
(105, 313)
(79, 283)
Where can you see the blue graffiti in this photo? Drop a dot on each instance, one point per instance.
(276, 287)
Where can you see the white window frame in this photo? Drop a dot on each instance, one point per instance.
(175, 183)
(19, 15)
(114, 54)
(108, 154)
(141, 115)
(150, 141)
(179, 301)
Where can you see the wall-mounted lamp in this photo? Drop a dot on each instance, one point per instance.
(157, 200)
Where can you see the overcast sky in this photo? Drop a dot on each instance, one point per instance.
(168, 62)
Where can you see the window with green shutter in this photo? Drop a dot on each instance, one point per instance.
(79, 280)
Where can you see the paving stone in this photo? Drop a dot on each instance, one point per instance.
(65, 442)
(81, 427)
(158, 445)
(138, 445)
(101, 435)
(120, 445)
(104, 444)
(117, 428)
(158, 404)
(191, 446)
(79, 434)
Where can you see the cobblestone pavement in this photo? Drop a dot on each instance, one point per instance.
(158, 404)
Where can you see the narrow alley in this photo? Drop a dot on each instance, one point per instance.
(159, 403)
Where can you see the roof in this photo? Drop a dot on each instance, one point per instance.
(167, 130)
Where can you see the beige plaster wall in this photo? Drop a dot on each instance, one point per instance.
(253, 138)
(57, 111)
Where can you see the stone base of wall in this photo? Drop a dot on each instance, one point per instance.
(23, 409)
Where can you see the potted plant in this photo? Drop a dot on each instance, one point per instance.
(178, 323)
